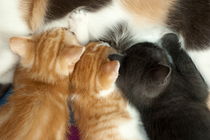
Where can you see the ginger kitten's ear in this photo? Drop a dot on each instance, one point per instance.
(20, 45)
(109, 73)
(71, 56)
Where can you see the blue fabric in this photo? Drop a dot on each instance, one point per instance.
(3, 99)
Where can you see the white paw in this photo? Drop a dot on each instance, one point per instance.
(78, 15)
(78, 22)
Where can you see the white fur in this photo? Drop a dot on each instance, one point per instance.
(103, 44)
(7, 63)
(133, 129)
(202, 61)
(11, 24)
(74, 97)
(150, 33)
(79, 19)
(96, 23)
(105, 93)
(62, 22)
(93, 25)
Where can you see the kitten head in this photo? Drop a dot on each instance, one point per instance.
(94, 72)
(145, 72)
(48, 56)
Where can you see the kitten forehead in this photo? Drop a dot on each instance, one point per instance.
(94, 47)
(103, 44)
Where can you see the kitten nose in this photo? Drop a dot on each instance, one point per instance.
(117, 57)
(112, 57)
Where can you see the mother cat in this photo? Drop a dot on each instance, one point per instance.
(148, 21)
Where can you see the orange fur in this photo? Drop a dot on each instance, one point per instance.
(38, 109)
(97, 117)
(34, 12)
(156, 11)
(90, 63)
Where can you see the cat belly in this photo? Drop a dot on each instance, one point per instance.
(11, 24)
(94, 25)
(201, 58)
(133, 129)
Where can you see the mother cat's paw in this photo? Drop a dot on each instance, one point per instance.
(78, 22)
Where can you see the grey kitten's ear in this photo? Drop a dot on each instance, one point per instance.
(170, 37)
(170, 41)
(117, 57)
(159, 75)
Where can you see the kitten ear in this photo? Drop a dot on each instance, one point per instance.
(156, 80)
(159, 75)
(171, 43)
(72, 54)
(20, 45)
(109, 71)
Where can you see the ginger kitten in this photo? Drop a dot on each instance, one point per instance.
(38, 110)
(100, 110)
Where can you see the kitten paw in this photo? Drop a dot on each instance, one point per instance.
(78, 22)
(78, 12)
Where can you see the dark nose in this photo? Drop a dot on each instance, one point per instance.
(113, 57)
(117, 57)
